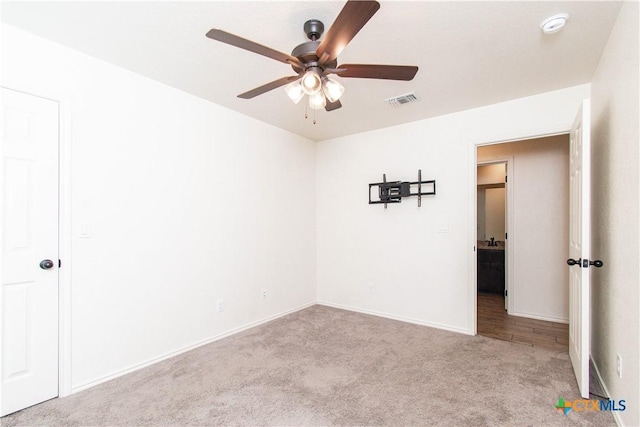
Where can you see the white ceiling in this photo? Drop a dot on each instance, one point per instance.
(469, 54)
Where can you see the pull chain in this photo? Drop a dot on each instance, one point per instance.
(306, 113)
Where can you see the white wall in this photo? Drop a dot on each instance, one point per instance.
(538, 242)
(481, 203)
(615, 237)
(491, 202)
(494, 216)
(186, 202)
(419, 273)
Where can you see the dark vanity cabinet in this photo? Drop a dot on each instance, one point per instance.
(491, 271)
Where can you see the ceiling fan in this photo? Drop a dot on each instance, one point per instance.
(315, 60)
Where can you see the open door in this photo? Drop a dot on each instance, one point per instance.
(579, 246)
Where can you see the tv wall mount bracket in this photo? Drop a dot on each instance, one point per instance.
(394, 191)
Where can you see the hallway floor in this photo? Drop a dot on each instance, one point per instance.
(494, 322)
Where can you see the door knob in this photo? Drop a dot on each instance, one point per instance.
(585, 263)
(46, 264)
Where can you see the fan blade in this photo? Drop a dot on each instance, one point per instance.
(332, 105)
(369, 71)
(267, 87)
(353, 16)
(233, 40)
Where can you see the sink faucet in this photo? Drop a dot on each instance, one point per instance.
(493, 242)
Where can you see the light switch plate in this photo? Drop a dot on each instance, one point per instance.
(85, 232)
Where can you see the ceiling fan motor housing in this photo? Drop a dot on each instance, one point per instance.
(306, 53)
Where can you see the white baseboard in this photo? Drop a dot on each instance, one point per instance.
(615, 414)
(155, 360)
(538, 317)
(394, 317)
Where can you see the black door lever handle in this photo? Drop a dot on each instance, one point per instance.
(577, 262)
(585, 263)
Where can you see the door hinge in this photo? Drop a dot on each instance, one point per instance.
(506, 292)
(506, 178)
(506, 236)
(59, 263)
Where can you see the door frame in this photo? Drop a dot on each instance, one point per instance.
(64, 230)
(473, 203)
(508, 247)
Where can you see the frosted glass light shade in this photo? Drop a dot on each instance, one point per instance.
(311, 82)
(333, 90)
(294, 91)
(317, 101)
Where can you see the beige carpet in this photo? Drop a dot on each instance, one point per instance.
(323, 366)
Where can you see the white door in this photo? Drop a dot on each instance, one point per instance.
(579, 246)
(29, 150)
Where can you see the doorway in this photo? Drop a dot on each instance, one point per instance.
(534, 194)
(492, 229)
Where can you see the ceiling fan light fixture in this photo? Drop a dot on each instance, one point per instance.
(554, 23)
(332, 89)
(317, 101)
(294, 91)
(314, 60)
(311, 82)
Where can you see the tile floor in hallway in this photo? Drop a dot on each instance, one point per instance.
(494, 322)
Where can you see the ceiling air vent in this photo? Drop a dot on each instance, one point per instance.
(402, 99)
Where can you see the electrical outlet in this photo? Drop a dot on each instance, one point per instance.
(371, 288)
(220, 305)
(263, 295)
(619, 365)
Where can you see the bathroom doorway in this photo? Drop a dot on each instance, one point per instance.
(492, 230)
